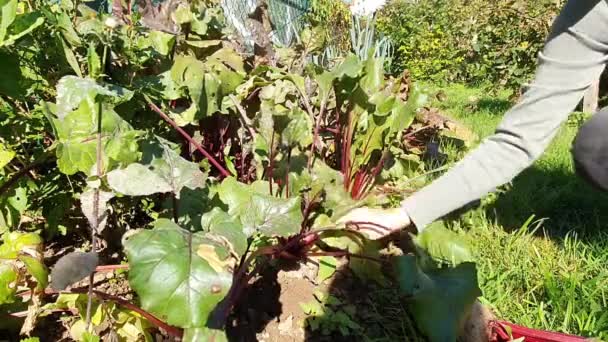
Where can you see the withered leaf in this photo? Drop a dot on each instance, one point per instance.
(72, 268)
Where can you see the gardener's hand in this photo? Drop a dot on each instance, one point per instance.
(376, 223)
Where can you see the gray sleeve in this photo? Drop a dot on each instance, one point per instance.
(573, 57)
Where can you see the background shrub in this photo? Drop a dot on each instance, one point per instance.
(473, 41)
(334, 18)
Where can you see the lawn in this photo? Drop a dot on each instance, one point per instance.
(541, 242)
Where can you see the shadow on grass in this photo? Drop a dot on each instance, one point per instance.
(493, 105)
(561, 197)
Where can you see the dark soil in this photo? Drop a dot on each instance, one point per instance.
(270, 309)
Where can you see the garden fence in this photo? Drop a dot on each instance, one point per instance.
(288, 17)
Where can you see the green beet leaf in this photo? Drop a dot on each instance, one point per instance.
(30, 339)
(405, 113)
(8, 281)
(90, 337)
(204, 334)
(313, 39)
(188, 72)
(23, 25)
(325, 83)
(19, 200)
(277, 92)
(192, 205)
(171, 278)
(138, 180)
(369, 140)
(357, 244)
(229, 58)
(439, 299)
(203, 43)
(299, 129)
(8, 11)
(162, 42)
(264, 138)
(298, 81)
(160, 170)
(271, 215)
(442, 245)
(350, 67)
(260, 212)
(218, 222)
(15, 242)
(72, 90)
(327, 268)
(37, 269)
(373, 78)
(12, 80)
(17, 261)
(207, 82)
(12, 205)
(6, 155)
(235, 193)
(77, 135)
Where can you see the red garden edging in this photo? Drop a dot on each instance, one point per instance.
(500, 334)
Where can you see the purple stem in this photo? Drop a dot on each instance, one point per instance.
(198, 146)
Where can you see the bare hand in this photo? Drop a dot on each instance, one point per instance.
(376, 223)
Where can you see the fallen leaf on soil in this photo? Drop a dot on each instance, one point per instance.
(32, 316)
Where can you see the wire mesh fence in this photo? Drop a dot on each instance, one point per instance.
(106, 5)
(287, 16)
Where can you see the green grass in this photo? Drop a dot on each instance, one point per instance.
(550, 272)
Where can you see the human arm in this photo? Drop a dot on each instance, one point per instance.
(573, 57)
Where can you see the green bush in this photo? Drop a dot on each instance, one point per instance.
(473, 41)
(334, 19)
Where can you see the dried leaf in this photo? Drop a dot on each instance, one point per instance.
(208, 253)
(87, 204)
(159, 17)
(33, 311)
(72, 268)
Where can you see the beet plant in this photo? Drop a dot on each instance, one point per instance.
(246, 158)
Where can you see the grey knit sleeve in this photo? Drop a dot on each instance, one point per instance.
(573, 57)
